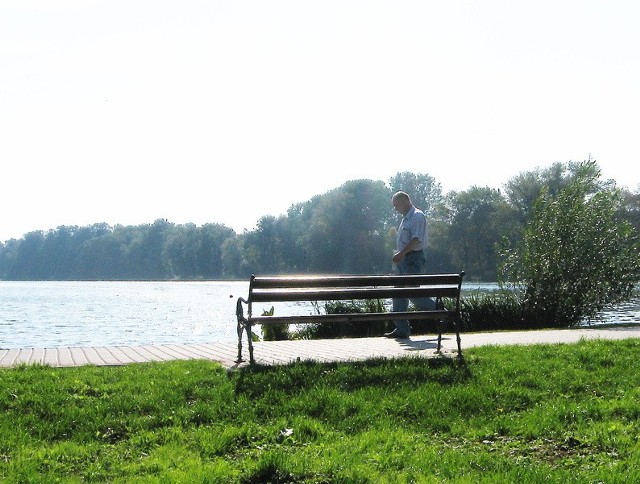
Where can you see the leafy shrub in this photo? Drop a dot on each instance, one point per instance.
(274, 332)
(342, 330)
(577, 256)
(500, 310)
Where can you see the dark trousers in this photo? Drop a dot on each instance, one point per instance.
(412, 263)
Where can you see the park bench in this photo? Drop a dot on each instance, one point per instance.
(271, 289)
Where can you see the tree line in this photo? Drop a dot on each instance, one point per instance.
(347, 230)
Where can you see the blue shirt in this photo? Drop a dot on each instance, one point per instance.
(413, 225)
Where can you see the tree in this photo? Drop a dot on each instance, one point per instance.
(265, 247)
(102, 258)
(425, 193)
(475, 229)
(577, 256)
(234, 263)
(26, 260)
(180, 250)
(523, 190)
(346, 229)
(209, 257)
(631, 208)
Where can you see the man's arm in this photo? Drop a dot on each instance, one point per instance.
(413, 244)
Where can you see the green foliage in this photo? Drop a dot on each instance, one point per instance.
(497, 416)
(348, 230)
(491, 311)
(345, 232)
(577, 256)
(344, 330)
(274, 332)
(523, 190)
(478, 220)
(500, 310)
(480, 311)
(425, 192)
(157, 251)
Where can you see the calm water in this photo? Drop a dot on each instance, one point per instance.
(79, 313)
(54, 314)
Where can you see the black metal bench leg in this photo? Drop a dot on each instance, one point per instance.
(458, 339)
(459, 345)
(440, 327)
(240, 329)
(250, 343)
(457, 325)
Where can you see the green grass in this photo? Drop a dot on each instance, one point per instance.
(546, 413)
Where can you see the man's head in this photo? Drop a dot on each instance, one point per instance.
(401, 202)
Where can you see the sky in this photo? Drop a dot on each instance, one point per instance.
(127, 111)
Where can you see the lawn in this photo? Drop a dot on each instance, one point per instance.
(544, 413)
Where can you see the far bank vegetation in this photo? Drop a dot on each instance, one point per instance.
(563, 238)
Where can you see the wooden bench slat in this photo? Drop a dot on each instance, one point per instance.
(353, 317)
(265, 282)
(315, 294)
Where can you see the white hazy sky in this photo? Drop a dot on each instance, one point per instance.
(125, 111)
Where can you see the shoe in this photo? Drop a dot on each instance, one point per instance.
(396, 334)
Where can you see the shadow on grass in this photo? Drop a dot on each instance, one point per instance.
(257, 380)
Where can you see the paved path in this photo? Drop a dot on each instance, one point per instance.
(282, 352)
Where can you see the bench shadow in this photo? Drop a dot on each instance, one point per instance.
(257, 381)
(425, 344)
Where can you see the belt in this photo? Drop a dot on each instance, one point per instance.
(411, 252)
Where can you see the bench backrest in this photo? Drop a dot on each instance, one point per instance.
(329, 288)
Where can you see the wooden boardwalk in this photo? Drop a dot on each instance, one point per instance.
(282, 352)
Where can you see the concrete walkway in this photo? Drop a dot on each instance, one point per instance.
(282, 352)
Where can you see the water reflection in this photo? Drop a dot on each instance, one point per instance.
(46, 314)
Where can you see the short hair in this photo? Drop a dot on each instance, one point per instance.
(401, 196)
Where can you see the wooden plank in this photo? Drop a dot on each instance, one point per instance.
(265, 282)
(320, 294)
(353, 317)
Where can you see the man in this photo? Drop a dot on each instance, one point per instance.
(409, 256)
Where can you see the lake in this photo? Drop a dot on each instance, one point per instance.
(48, 314)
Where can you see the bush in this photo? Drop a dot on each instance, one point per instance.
(274, 332)
(577, 256)
(500, 310)
(342, 330)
